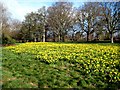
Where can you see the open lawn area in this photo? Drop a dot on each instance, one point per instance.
(61, 65)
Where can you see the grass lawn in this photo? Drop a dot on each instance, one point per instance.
(61, 65)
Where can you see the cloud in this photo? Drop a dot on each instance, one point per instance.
(19, 8)
(14, 8)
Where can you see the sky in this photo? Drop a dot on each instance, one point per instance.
(19, 8)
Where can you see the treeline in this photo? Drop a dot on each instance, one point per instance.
(61, 22)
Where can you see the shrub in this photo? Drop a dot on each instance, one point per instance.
(6, 39)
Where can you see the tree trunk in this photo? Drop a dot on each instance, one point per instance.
(39, 38)
(53, 37)
(73, 37)
(43, 35)
(111, 36)
(59, 38)
(63, 39)
(87, 36)
(35, 39)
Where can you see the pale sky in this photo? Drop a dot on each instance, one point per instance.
(19, 8)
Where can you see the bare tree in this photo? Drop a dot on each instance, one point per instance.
(4, 21)
(42, 14)
(87, 17)
(60, 17)
(15, 27)
(4, 18)
(111, 20)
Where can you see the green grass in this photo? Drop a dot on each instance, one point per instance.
(23, 71)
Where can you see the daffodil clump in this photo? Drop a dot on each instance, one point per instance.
(95, 59)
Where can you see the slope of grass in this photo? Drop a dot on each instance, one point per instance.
(87, 66)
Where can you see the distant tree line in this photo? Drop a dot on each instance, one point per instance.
(61, 22)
